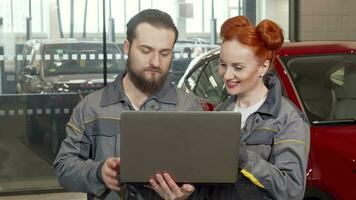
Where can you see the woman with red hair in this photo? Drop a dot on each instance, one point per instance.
(275, 136)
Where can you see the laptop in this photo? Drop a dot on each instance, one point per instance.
(193, 147)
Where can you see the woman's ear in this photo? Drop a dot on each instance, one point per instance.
(264, 68)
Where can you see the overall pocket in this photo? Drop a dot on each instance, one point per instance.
(104, 134)
(261, 142)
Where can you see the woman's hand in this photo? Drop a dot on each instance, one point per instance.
(167, 188)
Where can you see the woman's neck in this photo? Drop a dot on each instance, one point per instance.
(252, 97)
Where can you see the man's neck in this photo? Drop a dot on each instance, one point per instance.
(136, 96)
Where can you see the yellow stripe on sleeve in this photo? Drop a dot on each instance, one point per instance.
(267, 129)
(111, 118)
(284, 141)
(75, 128)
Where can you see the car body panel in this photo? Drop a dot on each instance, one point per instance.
(333, 165)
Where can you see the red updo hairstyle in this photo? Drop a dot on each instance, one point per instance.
(265, 39)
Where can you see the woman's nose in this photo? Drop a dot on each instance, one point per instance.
(229, 73)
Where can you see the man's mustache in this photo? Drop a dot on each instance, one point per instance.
(153, 69)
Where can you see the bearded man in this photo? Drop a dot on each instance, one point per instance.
(89, 158)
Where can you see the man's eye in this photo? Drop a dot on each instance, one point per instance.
(145, 51)
(165, 54)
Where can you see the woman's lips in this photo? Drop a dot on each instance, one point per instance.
(231, 85)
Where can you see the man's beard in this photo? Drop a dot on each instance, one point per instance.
(143, 84)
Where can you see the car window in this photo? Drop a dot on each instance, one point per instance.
(210, 85)
(36, 62)
(87, 59)
(192, 79)
(27, 50)
(178, 68)
(337, 77)
(206, 82)
(325, 85)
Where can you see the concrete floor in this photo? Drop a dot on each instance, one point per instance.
(22, 166)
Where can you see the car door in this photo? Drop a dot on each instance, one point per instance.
(326, 88)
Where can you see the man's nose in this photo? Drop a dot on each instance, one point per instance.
(155, 60)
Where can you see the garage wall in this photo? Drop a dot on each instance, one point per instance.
(327, 20)
(277, 11)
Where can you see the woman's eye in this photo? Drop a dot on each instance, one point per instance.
(237, 68)
(223, 65)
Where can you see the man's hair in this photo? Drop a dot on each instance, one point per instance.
(153, 17)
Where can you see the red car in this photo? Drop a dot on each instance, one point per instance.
(320, 78)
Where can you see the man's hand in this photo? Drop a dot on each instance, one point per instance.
(167, 188)
(110, 173)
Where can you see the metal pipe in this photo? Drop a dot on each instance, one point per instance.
(125, 15)
(212, 9)
(293, 15)
(29, 9)
(213, 35)
(85, 19)
(12, 15)
(71, 18)
(42, 16)
(59, 19)
(28, 22)
(202, 15)
(109, 8)
(104, 46)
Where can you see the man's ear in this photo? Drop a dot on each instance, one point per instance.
(264, 67)
(126, 47)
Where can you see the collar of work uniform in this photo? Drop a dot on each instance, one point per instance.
(271, 107)
(113, 93)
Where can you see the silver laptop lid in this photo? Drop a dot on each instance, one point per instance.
(193, 147)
